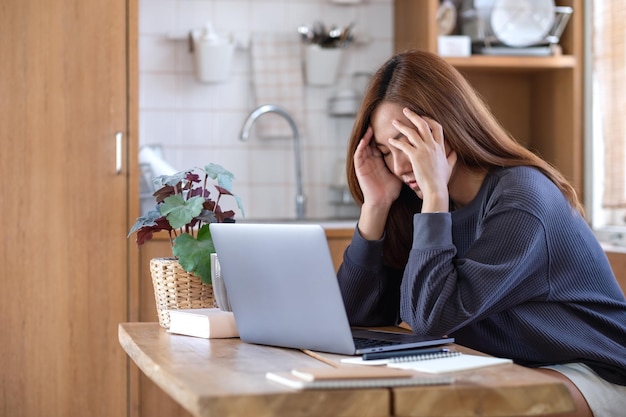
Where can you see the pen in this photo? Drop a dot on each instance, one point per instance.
(399, 353)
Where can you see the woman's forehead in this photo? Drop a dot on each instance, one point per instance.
(381, 120)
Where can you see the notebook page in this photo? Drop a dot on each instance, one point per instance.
(450, 364)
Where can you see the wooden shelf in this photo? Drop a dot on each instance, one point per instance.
(514, 63)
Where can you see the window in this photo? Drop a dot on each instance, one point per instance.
(606, 144)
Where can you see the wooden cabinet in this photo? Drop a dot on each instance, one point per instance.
(617, 258)
(338, 241)
(64, 256)
(537, 99)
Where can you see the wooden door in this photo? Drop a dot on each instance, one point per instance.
(63, 209)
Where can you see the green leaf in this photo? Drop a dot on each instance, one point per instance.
(239, 204)
(171, 180)
(223, 176)
(149, 219)
(180, 212)
(194, 255)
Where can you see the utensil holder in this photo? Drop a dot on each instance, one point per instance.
(321, 65)
(213, 61)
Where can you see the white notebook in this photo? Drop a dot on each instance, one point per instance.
(293, 381)
(455, 363)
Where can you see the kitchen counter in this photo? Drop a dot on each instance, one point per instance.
(328, 224)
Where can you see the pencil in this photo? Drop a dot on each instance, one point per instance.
(319, 357)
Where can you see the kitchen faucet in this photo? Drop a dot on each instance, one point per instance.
(245, 133)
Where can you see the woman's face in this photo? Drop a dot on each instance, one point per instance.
(397, 161)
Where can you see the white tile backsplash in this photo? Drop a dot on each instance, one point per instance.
(157, 54)
(196, 123)
(303, 13)
(157, 16)
(200, 128)
(377, 20)
(194, 14)
(158, 91)
(269, 16)
(159, 127)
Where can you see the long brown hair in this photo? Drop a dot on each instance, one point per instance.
(431, 87)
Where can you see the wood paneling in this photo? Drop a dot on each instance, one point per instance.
(63, 257)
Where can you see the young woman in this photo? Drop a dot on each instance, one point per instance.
(464, 232)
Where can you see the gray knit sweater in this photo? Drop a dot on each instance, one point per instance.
(517, 273)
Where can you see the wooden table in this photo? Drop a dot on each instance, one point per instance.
(226, 378)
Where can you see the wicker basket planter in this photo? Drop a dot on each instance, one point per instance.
(175, 288)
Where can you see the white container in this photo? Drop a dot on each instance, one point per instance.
(321, 65)
(213, 55)
(454, 46)
(344, 102)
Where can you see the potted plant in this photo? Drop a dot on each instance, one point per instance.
(186, 203)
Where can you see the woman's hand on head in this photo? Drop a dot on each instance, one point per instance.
(432, 165)
(379, 185)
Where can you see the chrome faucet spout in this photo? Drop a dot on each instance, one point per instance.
(245, 135)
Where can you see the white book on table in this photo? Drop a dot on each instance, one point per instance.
(208, 323)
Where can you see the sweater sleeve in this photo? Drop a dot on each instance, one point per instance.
(506, 265)
(370, 290)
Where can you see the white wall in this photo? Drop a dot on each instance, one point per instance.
(197, 123)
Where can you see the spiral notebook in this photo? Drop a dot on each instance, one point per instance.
(453, 363)
(434, 363)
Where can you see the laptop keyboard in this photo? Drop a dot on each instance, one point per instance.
(361, 342)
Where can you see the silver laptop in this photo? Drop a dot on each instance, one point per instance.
(283, 291)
